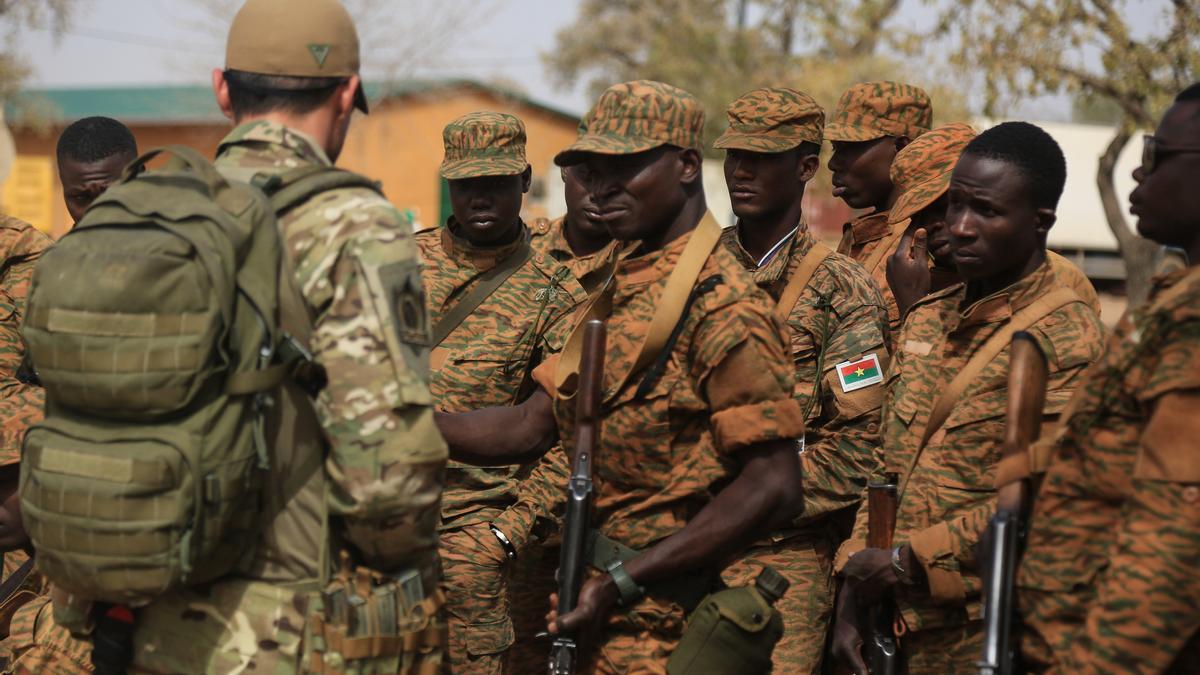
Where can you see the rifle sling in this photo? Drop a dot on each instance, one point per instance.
(685, 590)
(970, 372)
(488, 283)
(799, 281)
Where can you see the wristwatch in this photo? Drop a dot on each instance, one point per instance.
(901, 573)
(628, 589)
(510, 551)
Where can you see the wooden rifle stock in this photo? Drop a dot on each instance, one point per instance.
(880, 649)
(574, 559)
(1005, 539)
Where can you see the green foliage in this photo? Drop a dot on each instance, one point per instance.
(17, 16)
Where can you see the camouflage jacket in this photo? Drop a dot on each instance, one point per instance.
(383, 469)
(839, 317)
(948, 494)
(549, 238)
(488, 359)
(862, 239)
(32, 642)
(726, 384)
(1108, 580)
(20, 404)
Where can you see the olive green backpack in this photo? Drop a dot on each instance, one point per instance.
(154, 326)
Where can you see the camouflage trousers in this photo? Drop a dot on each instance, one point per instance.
(805, 560)
(529, 596)
(639, 641)
(943, 651)
(475, 577)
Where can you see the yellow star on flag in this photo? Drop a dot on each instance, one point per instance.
(859, 372)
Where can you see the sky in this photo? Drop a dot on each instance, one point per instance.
(113, 42)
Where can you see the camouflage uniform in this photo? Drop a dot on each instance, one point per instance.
(948, 494)
(485, 362)
(839, 317)
(867, 111)
(548, 238)
(726, 383)
(20, 404)
(1108, 580)
(921, 173)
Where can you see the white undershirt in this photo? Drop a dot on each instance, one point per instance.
(778, 245)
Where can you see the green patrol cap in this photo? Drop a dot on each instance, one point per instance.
(307, 38)
(871, 110)
(483, 144)
(772, 119)
(636, 116)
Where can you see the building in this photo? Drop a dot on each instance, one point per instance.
(399, 143)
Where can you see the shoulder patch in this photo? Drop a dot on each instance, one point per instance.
(859, 373)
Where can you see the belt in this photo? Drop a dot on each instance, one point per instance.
(685, 590)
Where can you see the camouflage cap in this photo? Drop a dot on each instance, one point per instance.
(921, 171)
(637, 116)
(314, 38)
(871, 110)
(772, 119)
(483, 144)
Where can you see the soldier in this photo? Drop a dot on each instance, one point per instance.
(946, 395)
(368, 444)
(923, 263)
(1108, 580)
(20, 406)
(697, 448)
(498, 308)
(837, 319)
(92, 153)
(874, 121)
(577, 240)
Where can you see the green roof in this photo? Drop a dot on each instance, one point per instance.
(184, 104)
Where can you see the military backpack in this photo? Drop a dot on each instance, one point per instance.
(155, 327)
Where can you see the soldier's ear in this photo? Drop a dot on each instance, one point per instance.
(690, 162)
(526, 178)
(807, 166)
(1045, 220)
(345, 94)
(221, 92)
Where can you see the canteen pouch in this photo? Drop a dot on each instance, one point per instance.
(367, 622)
(733, 630)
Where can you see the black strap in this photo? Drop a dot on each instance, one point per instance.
(685, 590)
(488, 282)
(14, 580)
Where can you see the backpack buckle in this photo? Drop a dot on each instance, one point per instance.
(303, 367)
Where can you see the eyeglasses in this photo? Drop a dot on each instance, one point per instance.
(1153, 149)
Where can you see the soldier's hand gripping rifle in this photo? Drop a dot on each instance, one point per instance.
(880, 645)
(574, 559)
(1006, 532)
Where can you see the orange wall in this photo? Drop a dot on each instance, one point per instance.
(400, 143)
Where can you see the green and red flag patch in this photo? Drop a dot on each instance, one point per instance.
(861, 373)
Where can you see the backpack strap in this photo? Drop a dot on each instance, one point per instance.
(293, 188)
(488, 283)
(799, 281)
(991, 348)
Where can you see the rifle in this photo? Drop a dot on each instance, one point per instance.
(577, 521)
(1006, 532)
(880, 650)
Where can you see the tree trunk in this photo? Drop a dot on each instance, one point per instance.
(1140, 255)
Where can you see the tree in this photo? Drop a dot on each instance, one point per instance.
(1090, 50)
(20, 15)
(720, 49)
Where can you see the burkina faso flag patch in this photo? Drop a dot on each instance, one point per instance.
(860, 373)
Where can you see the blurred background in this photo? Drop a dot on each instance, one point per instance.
(1096, 74)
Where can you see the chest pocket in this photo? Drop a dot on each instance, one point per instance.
(495, 369)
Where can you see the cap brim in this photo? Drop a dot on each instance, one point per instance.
(852, 133)
(477, 168)
(918, 198)
(605, 145)
(755, 142)
(360, 100)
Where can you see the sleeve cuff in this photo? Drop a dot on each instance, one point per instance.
(845, 551)
(932, 547)
(736, 428)
(543, 374)
(516, 522)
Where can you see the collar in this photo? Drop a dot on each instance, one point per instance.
(1002, 304)
(277, 137)
(634, 272)
(483, 258)
(768, 274)
(869, 227)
